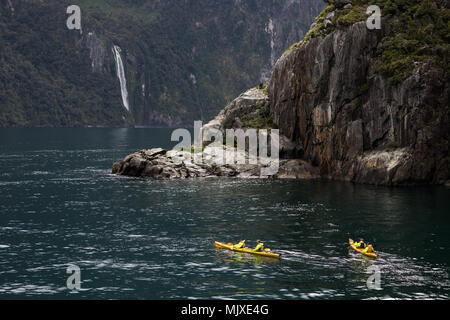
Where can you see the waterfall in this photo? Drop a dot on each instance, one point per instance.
(121, 76)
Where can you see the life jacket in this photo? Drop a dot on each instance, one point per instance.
(240, 245)
(361, 245)
(259, 247)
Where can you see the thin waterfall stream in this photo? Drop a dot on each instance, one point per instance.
(121, 75)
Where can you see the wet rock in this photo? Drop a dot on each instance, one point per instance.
(342, 3)
(97, 51)
(152, 153)
(116, 167)
(289, 149)
(297, 169)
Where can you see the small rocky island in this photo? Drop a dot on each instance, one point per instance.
(162, 164)
(338, 116)
(158, 163)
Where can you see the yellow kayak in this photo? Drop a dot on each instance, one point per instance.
(246, 250)
(368, 254)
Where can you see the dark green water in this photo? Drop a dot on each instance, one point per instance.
(135, 238)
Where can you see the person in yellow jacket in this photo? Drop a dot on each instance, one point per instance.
(259, 246)
(240, 245)
(361, 244)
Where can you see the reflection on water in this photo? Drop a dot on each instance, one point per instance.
(242, 258)
(136, 238)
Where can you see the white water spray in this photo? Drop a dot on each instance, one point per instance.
(121, 76)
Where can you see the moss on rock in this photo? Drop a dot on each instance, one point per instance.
(414, 31)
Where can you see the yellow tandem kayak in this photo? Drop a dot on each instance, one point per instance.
(246, 250)
(368, 254)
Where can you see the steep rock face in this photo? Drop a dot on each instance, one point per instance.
(288, 23)
(97, 51)
(250, 110)
(351, 123)
(343, 114)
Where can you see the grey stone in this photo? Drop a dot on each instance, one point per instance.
(341, 3)
(327, 23)
(316, 99)
(331, 15)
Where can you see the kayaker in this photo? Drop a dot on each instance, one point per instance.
(240, 245)
(259, 246)
(361, 244)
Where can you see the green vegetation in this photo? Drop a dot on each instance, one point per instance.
(416, 31)
(193, 57)
(262, 119)
(319, 29)
(351, 16)
(43, 80)
(342, 18)
(263, 88)
(137, 11)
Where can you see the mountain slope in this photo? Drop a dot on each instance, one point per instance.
(183, 60)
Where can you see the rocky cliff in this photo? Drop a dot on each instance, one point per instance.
(351, 121)
(359, 104)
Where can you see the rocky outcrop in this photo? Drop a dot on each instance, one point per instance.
(248, 104)
(162, 164)
(210, 161)
(251, 105)
(351, 123)
(340, 119)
